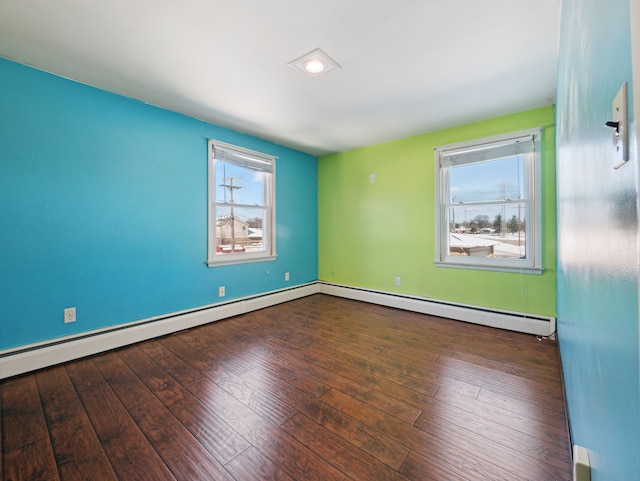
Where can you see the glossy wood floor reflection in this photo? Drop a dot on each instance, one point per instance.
(320, 388)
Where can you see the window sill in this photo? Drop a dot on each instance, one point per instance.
(484, 267)
(241, 259)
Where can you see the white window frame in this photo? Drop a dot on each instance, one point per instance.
(221, 151)
(526, 142)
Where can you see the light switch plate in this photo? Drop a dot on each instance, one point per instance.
(619, 113)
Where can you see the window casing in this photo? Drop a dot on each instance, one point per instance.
(488, 203)
(241, 205)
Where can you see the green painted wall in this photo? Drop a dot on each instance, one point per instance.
(372, 232)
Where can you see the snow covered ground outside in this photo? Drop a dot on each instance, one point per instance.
(506, 246)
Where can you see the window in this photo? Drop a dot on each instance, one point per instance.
(488, 203)
(241, 205)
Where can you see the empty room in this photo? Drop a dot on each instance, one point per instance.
(361, 240)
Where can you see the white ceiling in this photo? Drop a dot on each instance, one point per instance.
(408, 66)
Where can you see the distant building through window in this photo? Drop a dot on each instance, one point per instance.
(488, 203)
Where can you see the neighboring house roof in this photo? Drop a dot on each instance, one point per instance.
(254, 233)
(227, 220)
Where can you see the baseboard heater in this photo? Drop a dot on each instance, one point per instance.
(40, 355)
(510, 320)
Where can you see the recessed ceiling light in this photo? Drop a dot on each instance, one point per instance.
(314, 64)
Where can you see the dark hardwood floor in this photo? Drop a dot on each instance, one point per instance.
(320, 388)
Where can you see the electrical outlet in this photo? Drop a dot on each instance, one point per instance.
(221, 291)
(581, 464)
(286, 276)
(70, 315)
(397, 282)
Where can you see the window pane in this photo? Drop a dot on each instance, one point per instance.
(489, 190)
(239, 185)
(488, 231)
(241, 228)
(241, 202)
(494, 180)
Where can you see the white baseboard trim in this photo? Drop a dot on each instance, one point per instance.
(513, 321)
(40, 355)
(37, 356)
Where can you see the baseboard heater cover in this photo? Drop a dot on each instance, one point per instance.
(37, 356)
(513, 321)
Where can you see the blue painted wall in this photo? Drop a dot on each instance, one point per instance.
(597, 240)
(103, 206)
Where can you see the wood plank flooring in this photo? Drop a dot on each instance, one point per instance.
(320, 388)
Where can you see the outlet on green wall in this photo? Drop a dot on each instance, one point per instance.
(376, 214)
